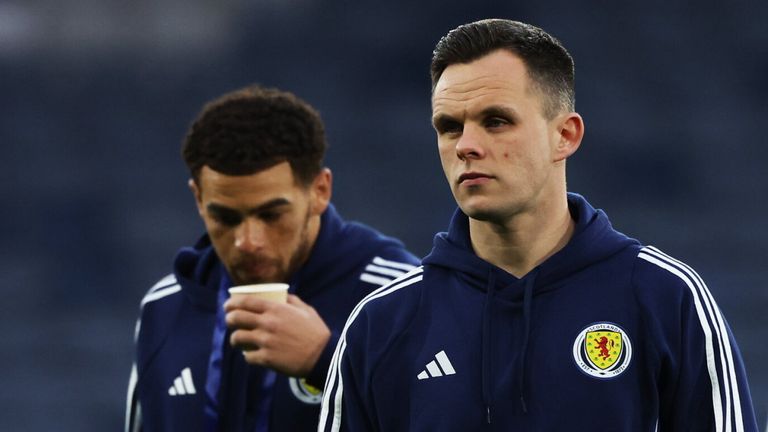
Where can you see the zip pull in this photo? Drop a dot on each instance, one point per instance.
(488, 413)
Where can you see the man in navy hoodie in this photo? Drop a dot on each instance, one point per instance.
(531, 313)
(208, 363)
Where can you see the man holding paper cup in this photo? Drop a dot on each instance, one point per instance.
(217, 348)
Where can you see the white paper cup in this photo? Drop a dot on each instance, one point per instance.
(277, 292)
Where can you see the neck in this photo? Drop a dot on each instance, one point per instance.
(524, 240)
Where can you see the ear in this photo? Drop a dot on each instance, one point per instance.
(570, 131)
(197, 194)
(320, 191)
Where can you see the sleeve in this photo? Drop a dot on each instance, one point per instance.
(703, 385)
(711, 391)
(132, 407)
(386, 266)
(345, 407)
(316, 378)
(133, 417)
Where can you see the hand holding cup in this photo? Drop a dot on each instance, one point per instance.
(275, 329)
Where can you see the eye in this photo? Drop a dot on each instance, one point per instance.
(272, 215)
(226, 217)
(495, 122)
(269, 216)
(449, 127)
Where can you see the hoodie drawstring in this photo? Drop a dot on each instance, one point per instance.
(527, 295)
(486, 342)
(487, 366)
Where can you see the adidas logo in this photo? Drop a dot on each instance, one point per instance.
(433, 371)
(183, 384)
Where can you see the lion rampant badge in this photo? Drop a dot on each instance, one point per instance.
(602, 350)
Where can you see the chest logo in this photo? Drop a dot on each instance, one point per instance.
(602, 350)
(305, 392)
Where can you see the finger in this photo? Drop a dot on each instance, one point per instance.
(249, 340)
(242, 319)
(257, 357)
(250, 303)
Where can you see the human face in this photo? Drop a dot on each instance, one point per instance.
(263, 225)
(500, 155)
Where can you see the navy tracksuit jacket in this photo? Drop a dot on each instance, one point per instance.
(171, 388)
(605, 335)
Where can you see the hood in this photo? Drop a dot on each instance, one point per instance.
(199, 272)
(331, 258)
(593, 241)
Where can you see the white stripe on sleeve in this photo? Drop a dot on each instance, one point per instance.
(130, 404)
(157, 295)
(334, 384)
(709, 319)
(376, 280)
(383, 270)
(166, 281)
(393, 264)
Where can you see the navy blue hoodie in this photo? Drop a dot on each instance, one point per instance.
(171, 386)
(604, 335)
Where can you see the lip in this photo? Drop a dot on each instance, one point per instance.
(473, 178)
(254, 269)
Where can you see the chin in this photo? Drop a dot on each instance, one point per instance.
(479, 212)
(499, 209)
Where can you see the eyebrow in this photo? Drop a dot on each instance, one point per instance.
(491, 111)
(499, 111)
(269, 205)
(441, 119)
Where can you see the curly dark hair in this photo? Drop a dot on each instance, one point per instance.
(549, 65)
(255, 128)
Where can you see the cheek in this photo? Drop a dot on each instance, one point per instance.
(286, 235)
(447, 155)
(446, 147)
(285, 238)
(215, 231)
(223, 241)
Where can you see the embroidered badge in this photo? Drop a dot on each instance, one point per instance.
(305, 392)
(602, 350)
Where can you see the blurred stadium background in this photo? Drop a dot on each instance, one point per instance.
(96, 96)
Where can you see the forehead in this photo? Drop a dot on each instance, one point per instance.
(247, 190)
(496, 78)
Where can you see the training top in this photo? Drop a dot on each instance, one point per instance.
(187, 377)
(605, 335)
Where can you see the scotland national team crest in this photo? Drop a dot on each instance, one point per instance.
(602, 350)
(305, 392)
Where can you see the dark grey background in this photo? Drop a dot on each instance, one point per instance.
(96, 96)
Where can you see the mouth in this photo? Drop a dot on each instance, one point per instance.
(254, 271)
(472, 178)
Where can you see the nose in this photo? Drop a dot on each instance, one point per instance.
(469, 144)
(250, 235)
